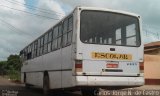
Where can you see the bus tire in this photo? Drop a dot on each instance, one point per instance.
(46, 85)
(89, 91)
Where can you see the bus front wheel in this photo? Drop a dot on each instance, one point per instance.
(46, 85)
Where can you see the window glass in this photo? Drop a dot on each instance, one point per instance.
(55, 32)
(70, 23)
(39, 42)
(131, 30)
(45, 38)
(29, 49)
(29, 52)
(60, 30)
(49, 47)
(36, 53)
(32, 46)
(119, 42)
(118, 34)
(50, 36)
(65, 26)
(32, 50)
(41, 50)
(64, 40)
(109, 28)
(131, 41)
(35, 45)
(42, 38)
(109, 40)
(33, 54)
(45, 49)
(54, 44)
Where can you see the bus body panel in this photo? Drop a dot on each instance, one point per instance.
(55, 79)
(93, 66)
(35, 78)
(104, 81)
(67, 63)
(53, 61)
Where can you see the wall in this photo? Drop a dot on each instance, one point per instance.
(152, 69)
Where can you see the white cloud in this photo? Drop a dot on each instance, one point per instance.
(53, 6)
(27, 27)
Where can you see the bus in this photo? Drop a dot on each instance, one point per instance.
(90, 48)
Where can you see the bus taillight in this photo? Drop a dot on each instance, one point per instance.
(78, 65)
(141, 67)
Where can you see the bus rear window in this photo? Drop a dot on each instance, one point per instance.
(98, 27)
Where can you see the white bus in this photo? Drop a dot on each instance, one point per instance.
(88, 49)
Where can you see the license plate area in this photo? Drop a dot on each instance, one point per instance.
(112, 65)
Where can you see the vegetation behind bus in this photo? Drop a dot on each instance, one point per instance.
(11, 67)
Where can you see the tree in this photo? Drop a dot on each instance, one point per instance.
(3, 67)
(11, 67)
(14, 62)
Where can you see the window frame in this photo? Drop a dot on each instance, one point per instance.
(68, 31)
(40, 41)
(138, 27)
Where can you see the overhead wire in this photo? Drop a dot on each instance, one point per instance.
(33, 8)
(13, 28)
(36, 7)
(30, 12)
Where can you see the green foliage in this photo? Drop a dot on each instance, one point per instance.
(11, 67)
(3, 67)
(14, 63)
(14, 75)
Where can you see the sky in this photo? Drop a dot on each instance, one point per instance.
(22, 21)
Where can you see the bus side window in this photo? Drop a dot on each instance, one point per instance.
(45, 43)
(70, 28)
(49, 40)
(65, 28)
(59, 38)
(41, 46)
(25, 54)
(67, 31)
(55, 35)
(38, 47)
(29, 52)
(35, 48)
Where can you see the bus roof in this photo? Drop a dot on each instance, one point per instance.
(107, 9)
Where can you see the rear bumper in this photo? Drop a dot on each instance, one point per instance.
(108, 81)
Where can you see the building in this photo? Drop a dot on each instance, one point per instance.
(152, 48)
(152, 63)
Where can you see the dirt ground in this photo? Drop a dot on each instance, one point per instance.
(6, 82)
(8, 88)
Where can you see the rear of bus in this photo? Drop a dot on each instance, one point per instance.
(109, 49)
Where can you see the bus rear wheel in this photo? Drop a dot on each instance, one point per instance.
(45, 85)
(89, 91)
